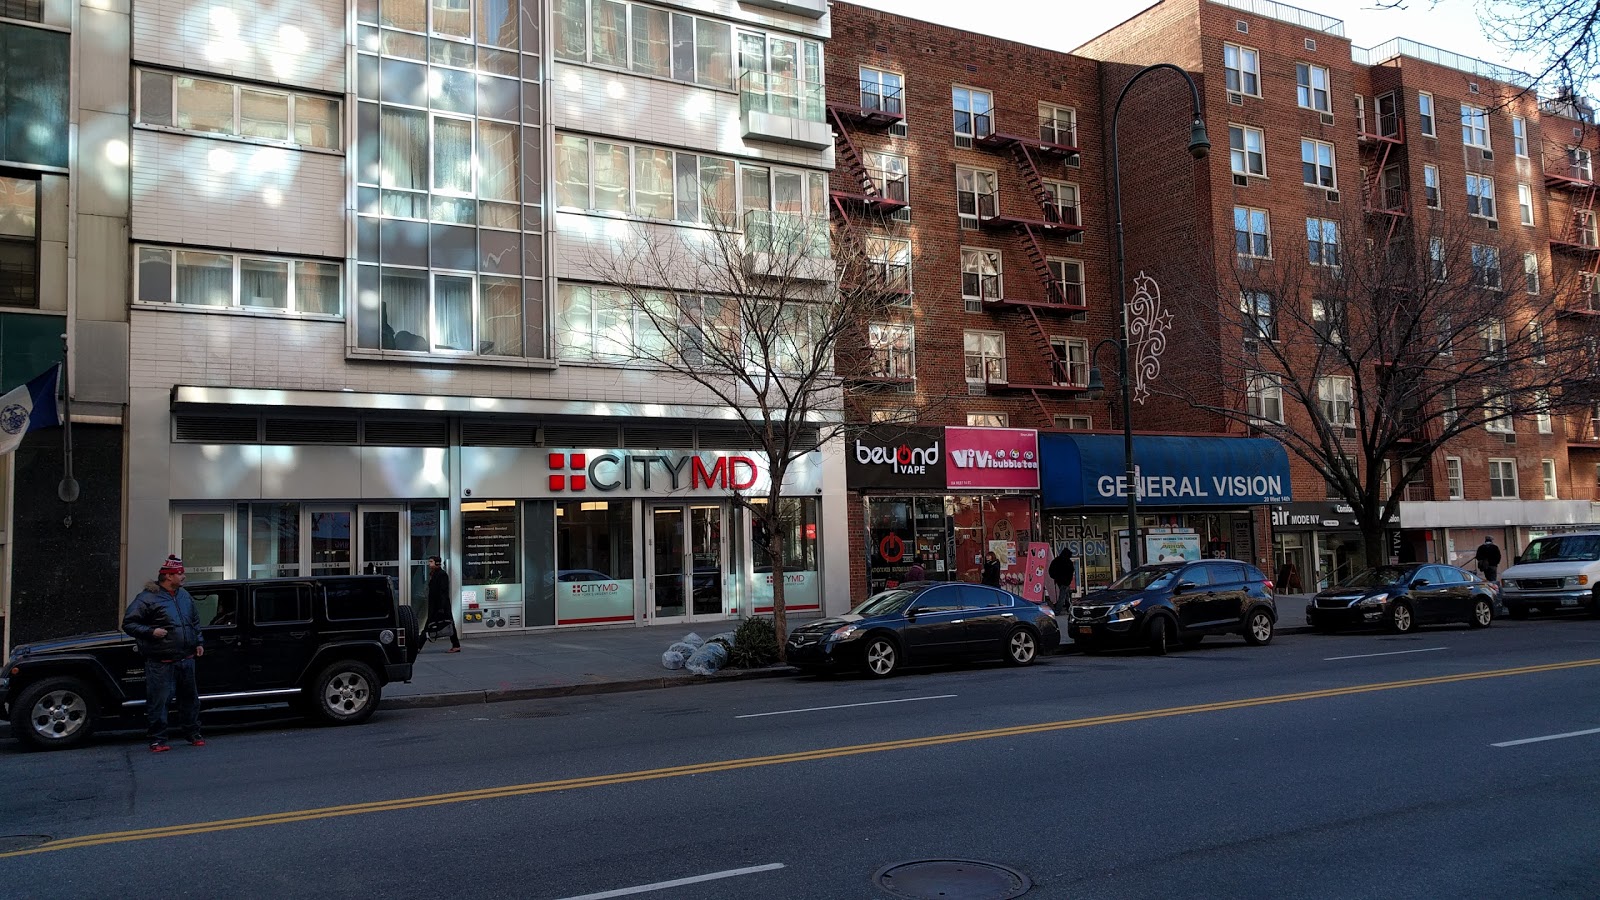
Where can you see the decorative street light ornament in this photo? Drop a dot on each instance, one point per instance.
(1148, 323)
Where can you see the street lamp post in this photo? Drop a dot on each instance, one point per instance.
(1199, 145)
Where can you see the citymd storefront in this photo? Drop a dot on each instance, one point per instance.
(943, 497)
(1198, 497)
(597, 535)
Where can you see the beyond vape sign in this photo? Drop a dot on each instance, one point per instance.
(895, 456)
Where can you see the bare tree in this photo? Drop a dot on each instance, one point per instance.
(767, 313)
(1559, 35)
(1364, 358)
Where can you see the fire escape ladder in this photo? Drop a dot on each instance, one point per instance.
(1044, 411)
(851, 157)
(1030, 175)
(1041, 266)
(847, 229)
(1041, 338)
(1375, 189)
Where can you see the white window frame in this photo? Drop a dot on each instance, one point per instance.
(1425, 114)
(1438, 266)
(887, 255)
(1074, 359)
(985, 204)
(1060, 267)
(1264, 397)
(1486, 266)
(1581, 162)
(1327, 316)
(971, 264)
(235, 305)
(892, 357)
(1492, 337)
(1496, 416)
(1543, 423)
(894, 105)
(981, 124)
(991, 359)
(1584, 228)
(1530, 272)
(1547, 474)
(1073, 423)
(1336, 394)
(1323, 234)
(1519, 136)
(1242, 74)
(236, 132)
(1051, 128)
(1475, 126)
(1455, 485)
(1431, 195)
(1448, 411)
(1498, 471)
(1067, 199)
(1323, 162)
(1307, 94)
(988, 420)
(1525, 203)
(1242, 157)
(1260, 312)
(1252, 214)
(1480, 196)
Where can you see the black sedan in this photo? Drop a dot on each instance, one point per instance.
(1402, 597)
(1165, 603)
(923, 622)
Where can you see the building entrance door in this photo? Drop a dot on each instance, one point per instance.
(685, 561)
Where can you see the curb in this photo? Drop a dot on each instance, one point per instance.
(505, 695)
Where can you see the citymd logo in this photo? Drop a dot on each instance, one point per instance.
(579, 464)
(902, 460)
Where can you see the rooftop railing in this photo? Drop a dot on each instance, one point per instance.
(1372, 56)
(1283, 12)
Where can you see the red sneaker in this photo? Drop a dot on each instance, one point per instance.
(160, 747)
(197, 742)
(454, 650)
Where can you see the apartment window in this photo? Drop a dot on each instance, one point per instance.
(889, 173)
(890, 259)
(1425, 114)
(1589, 291)
(1519, 136)
(1251, 232)
(1452, 477)
(1547, 473)
(1247, 150)
(1338, 464)
(1071, 356)
(1243, 69)
(604, 176)
(1316, 163)
(1448, 410)
(1583, 223)
(1328, 319)
(1474, 126)
(1480, 196)
(686, 48)
(1536, 352)
(1502, 479)
(1496, 415)
(891, 347)
(1063, 201)
(1525, 203)
(1074, 423)
(974, 114)
(1530, 272)
(780, 75)
(988, 420)
(1492, 336)
(1264, 397)
(1336, 397)
(977, 195)
(1322, 242)
(980, 274)
(1430, 185)
(1580, 163)
(1436, 261)
(784, 210)
(1486, 266)
(209, 106)
(883, 91)
(1067, 274)
(893, 416)
(1058, 125)
(19, 241)
(985, 356)
(239, 281)
(1542, 423)
(1258, 316)
(1447, 335)
(1311, 85)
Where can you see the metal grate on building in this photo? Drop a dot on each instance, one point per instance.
(414, 433)
(647, 438)
(499, 433)
(581, 436)
(202, 429)
(310, 430)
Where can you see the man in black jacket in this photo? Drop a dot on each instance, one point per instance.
(1488, 557)
(164, 622)
(440, 615)
(1061, 572)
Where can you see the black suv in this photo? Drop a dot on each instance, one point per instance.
(1168, 602)
(327, 645)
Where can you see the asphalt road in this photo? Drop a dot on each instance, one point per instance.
(1356, 765)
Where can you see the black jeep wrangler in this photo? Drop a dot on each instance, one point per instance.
(326, 645)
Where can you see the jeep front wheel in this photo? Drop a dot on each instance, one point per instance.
(345, 693)
(54, 714)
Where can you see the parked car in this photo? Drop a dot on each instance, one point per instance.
(1403, 597)
(327, 645)
(1166, 603)
(924, 622)
(1560, 571)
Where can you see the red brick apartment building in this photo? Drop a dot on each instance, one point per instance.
(970, 164)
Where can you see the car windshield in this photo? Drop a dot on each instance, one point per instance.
(887, 602)
(1377, 576)
(1145, 577)
(1565, 548)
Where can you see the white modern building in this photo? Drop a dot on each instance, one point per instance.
(357, 340)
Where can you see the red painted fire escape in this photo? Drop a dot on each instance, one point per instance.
(1579, 238)
(1383, 191)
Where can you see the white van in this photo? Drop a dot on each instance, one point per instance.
(1554, 572)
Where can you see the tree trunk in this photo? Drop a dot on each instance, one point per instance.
(1376, 546)
(780, 612)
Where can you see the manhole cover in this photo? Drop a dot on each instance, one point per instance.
(12, 842)
(952, 879)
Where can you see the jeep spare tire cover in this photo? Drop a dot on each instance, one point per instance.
(408, 623)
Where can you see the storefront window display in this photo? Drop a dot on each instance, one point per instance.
(274, 540)
(594, 562)
(949, 535)
(801, 567)
(1002, 524)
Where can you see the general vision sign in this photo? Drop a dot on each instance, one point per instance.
(1090, 470)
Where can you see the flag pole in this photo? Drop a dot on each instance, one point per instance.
(68, 489)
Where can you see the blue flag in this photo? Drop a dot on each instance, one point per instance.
(30, 406)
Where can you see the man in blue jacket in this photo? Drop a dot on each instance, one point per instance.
(164, 622)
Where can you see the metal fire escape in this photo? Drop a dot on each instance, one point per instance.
(1383, 189)
(1579, 238)
(1047, 217)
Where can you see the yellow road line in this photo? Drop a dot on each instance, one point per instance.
(569, 784)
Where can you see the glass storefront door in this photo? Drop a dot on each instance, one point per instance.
(686, 561)
(331, 544)
(380, 545)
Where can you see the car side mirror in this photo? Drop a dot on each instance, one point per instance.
(912, 613)
(1184, 587)
(1420, 582)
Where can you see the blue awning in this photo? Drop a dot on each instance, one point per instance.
(1079, 470)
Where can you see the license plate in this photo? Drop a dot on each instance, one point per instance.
(1569, 601)
(1085, 629)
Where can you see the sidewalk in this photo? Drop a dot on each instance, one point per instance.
(530, 665)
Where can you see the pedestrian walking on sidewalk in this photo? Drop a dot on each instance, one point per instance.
(440, 616)
(1062, 572)
(991, 569)
(916, 572)
(1488, 558)
(166, 625)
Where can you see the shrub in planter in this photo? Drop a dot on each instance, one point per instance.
(755, 644)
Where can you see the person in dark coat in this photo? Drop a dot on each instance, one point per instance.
(440, 616)
(916, 572)
(164, 623)
(1062, 570)
(1488, 558)
(991, 569)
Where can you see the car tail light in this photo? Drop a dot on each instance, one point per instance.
(1266, 583)
(1045, 608)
